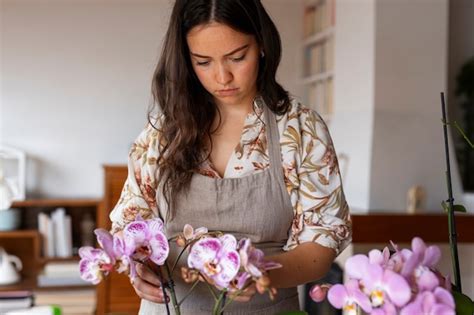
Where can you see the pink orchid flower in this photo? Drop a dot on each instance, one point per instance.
(252, 259)
(418, 264)
(216, 258)
(348, 297)
(145, 240)
(95, 264)
(382, 285)
(440, 301)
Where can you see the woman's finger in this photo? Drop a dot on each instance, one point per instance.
(146, 274)
(244, 296)
(147, 291)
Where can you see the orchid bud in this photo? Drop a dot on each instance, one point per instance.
(262, 284)
(272, 293)
(318, 293)
(189, 275)
(181, 241)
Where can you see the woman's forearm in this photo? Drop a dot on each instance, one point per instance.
(307, 262)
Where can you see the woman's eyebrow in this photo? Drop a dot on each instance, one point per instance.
(228, 54)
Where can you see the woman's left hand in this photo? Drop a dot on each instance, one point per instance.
(245, 295)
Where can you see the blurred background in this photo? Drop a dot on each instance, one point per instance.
(76, 78)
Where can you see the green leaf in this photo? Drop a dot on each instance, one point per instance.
(445, 206)
(293, 313)
(456, 208)
(459, 208)
(464, 305)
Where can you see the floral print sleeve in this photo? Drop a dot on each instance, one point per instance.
(138, 195)
(313, 181)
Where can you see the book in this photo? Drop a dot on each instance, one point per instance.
(47, 281)
(14, 300)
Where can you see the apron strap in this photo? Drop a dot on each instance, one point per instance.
(273, 138)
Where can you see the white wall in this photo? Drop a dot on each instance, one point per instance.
(75, 83)
(352, 125)
(390, 66)
(411, 71)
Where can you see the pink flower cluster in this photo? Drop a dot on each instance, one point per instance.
(404, 283)
(140, 241)
(225, 262)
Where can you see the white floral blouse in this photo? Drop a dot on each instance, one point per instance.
(311, 171)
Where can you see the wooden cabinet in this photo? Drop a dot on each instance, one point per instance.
(26, 242)
(115, 294)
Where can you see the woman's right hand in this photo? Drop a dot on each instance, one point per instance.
(147, 284)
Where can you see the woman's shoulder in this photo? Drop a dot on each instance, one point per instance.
(301, 116)
(149, 138)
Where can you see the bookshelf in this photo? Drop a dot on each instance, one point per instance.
(27, 241)
(318, 55)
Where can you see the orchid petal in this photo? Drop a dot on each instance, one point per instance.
(427, 280)
(135, 234)
(160, 248)
(188, 231)
(362, 300)
(105, 240)
(241, 279)
(355, 266)
(410, 264)
(372, 276)
(432, 256)
(418, 246)
(230, 264)
(155, 224)
(378, 311)
(413, 308)
(86, 252)
(376, 257)
(428, 300)
(389, 308)
(228, 241)
(444, 296)
(338, 296)
(203, 251)
(200, 231)
(442, 309)
(397, 288)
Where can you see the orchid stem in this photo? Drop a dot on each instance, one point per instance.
(451, 218)
(216, 310)
(212, 291)
(165, 297)
(172, 291)
(189, 292)
(178, 258)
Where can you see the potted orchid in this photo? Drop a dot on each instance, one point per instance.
(224, 264)
(403, 281)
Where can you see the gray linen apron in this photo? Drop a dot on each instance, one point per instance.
(256, 206)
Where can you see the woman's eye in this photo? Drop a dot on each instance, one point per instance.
(202, 63)
(238, 59)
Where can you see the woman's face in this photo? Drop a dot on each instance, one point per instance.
(226, 62)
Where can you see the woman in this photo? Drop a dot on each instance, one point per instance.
(231, 151)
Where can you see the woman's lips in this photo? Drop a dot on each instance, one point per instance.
(227, 92)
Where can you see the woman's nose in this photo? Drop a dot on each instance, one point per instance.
(223, 75)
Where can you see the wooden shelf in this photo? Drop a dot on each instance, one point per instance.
(45, 260)
(318, 77)
(319, 37)
(56, 203)
(30, 283)
(399, 227)
(26, 283)
(20, 234)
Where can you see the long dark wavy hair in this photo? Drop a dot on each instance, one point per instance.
(187, 110)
